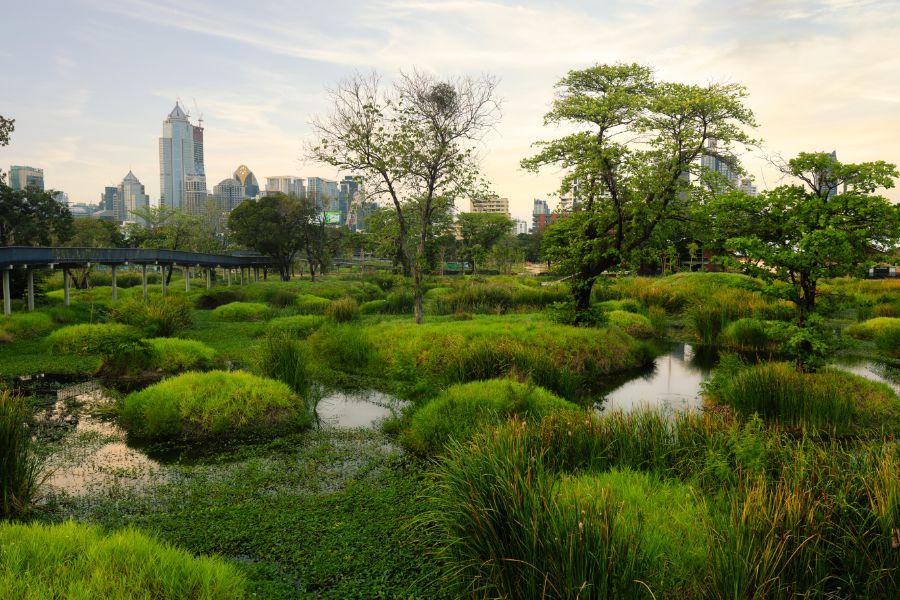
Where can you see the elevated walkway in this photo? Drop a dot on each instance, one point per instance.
(30, 258)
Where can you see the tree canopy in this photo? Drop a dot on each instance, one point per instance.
(828, 223)
(31, 217)
(413, 144)
(480, 233)
(628, 167)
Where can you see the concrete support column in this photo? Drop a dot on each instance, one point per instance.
(208, 278)
(228, 276)
(66, 287)
(115, 293)
(187, 279)
(144, 279)
(30, 290)
(241, 269)
(7, 301)
(162, 271)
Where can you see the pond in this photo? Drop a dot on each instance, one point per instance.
(671, 383)
(350, 409)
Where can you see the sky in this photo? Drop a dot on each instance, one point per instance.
(89, 82)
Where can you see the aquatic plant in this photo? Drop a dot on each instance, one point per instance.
(20, 466)
(283, 358)
(77, 560)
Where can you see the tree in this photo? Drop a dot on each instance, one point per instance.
(827, 224)
(277, 225)
(6, 128)
(93, 233)
(627, 167)
(413, 145)
(480, 233)
(31, 217)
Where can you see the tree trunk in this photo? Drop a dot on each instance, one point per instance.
(417, 296)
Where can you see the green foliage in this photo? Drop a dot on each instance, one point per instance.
(94, 338)
(888, 341)
(870, 328)
(460, 410)
(173, 355)
(308, 304)
(285, 359)
(24, 325)
(635, 325)
(496, 297)
(32, 217)
(564, 313)
(480, 233)
(20, 465)
(75, 560)
(241, 311)
(297, 326)
(342, 310)
(198, 405)
(343, 347)
(826, 225)
(758, 335)
(158, 316)
(280, 298)
(211, 299)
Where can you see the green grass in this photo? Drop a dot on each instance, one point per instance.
(867, 330)
(88, 338)
(198, 405)
(635, 325)
(342, 310)
(158, 316)
(495, 296)
(241, 311)
(236, 341)
(73, 560)
(25, 325)
(308, 304)
(285, 359)
(460, 410)
(173, 355)
(20, 464)
(298, 326)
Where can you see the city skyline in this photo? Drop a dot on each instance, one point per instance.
(820, 77)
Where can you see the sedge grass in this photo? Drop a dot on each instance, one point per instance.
(20, 466)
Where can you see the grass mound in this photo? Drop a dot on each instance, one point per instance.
(197, 405)
(74, 560)
(161, 316)
(869, 329)
(461, 409)
(241, 311)
(635, 325)
(24, 325)
(96, 338)
(211, 299)
(297, 326)
(307, 304)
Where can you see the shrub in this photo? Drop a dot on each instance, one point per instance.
(280, 298)
(173, 354)
(342, 310)
(564, 314)
(887, 340)
(297, 326)
(75, 560)
(285, 359)
(241, 311)
(197, 405)
(161, 316)
(25, 325)
(635, 325)
(311, 305)
(867, 330)
(399, 302)
(20, 466)
(457, 412)
(211, 299)
(92, 338)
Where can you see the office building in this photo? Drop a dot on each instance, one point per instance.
(130, 196)
(717, 170)
(540, 215)
(521, 226)
(490, 204)
(180, 158)
(195, 197)
(748, 187)
(228, 193)
(108, 198)
(286, 184)
(21, 177)
(324, 192)
(247, 180)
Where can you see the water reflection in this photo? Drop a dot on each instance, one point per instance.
(872, 370)
(351, 409)
(672, 383)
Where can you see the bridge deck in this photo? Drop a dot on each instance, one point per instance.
(78, 257)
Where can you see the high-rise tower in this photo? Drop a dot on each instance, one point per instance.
(129, 197)
(180, 159)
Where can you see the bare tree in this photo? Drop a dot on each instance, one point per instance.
(413, 143)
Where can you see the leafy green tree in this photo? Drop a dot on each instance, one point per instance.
(627, 166)
(413, 145)
(278, 226)
(6, 128)
(31, 217)
(827, 224)
(173, 229)
(480, 233)
(93, 233)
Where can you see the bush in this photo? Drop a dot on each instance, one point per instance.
(297, 326)
(92, 338)
(457, 412)
(887, 340)
(75, 560)
(24, 325)
(211, 299)
(342, 310)
(20, 466)
(285, 359)
(241, 311)
(280, 298)
(161, 316)
(635, 325)
(197, 405)
(311, 305)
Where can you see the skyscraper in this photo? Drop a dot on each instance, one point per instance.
(130, 196)
(286, 184)
(490, 204)
(228, 193)
(21, 177)
(324, 192)
(245, 177)
(540, 216)
(180, 157)
(108, 198)
(716, 171)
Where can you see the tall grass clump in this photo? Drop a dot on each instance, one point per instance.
(198, 405)
(342, 347)
(20, 466)
(284, 358)
(161, 316)
(297, 326)
(76, 560)
(779, 392)
(307, 304)
(460, 410)
(869, 329)
(342, 310)
(887, 340)
(94, 338)
(635, 325)
(241, 311)
(211, 299)
(25, 325)
(495, 297)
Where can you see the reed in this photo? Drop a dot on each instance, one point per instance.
(20, 466)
